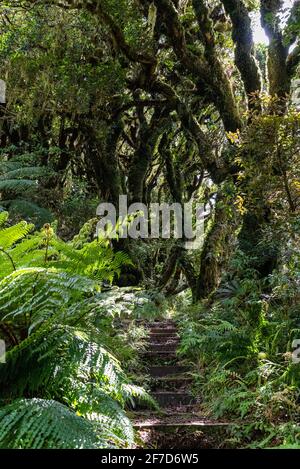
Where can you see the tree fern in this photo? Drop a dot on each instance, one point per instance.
(65, 357)
(96, 259)
(16, 185)
(20, 177)
(39, 423)
(33, 212)
(20, 173)
(61, 358)
(50, 310)
(30, 296)
(63, 362)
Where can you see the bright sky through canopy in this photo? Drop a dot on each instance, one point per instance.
(259, 35)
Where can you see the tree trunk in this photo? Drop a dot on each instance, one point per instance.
(215, 250)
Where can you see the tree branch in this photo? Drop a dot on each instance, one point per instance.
(293, 61)
(190, 124)
(95, 7)
(291, 33)
(210, 73)
(244, 51)
(278, 52)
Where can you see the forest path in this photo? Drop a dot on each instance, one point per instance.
(178, 423)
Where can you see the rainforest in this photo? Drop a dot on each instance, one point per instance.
(114, 336)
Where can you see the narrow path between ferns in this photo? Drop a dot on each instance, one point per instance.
(178, 423)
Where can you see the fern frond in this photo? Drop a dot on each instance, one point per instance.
(95, 259)
(17, 185)
(134, 393)
(9, 236)
(3, 218)
(52, 310)
(38, 293)
(39, 423)
(106, 411)
(29, 210)
(30, 172)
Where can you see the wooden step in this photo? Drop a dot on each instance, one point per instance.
(163, 336)
(170, 399)
(165, 370)
(190, 409)
(160, 324)
(142, 322)
(175, 421)
(164, 347)
(174, 378)
(171, 383)
(164, 340)
(163, 330)
(160, 353)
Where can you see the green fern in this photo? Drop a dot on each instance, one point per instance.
(3, 218)
(39, 423)
(9, 236)
(51, 307)
(63, 360)
(20, 177)
(96, 259)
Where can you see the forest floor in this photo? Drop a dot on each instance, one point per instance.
(180, 422)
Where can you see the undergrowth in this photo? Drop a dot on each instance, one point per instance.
(62, 384)
(240, 343)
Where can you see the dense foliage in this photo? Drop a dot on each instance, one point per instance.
(164, 101)
(60, 386)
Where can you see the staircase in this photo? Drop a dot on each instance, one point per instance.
(178, 423)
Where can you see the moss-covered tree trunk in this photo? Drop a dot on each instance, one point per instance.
(216, 249)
